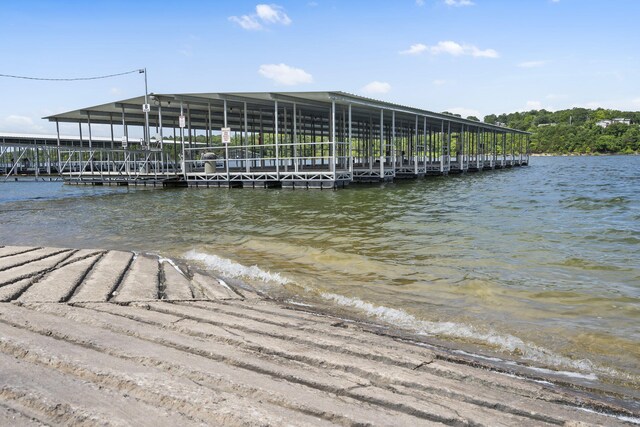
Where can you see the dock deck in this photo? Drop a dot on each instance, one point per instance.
(116, 338)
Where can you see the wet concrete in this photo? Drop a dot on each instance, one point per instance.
(114, 338)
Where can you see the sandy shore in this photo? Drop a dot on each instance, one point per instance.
(112, 338)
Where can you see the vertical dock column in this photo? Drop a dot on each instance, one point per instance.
(183, 164)
(462, 154)
(442, 147)
(275, 131)
(382, 144)
(415, 150)
(161, 136)
(58, 145)
(394, 158)
(246, 136)
(226, 146)
(350, 147)
(332, 144)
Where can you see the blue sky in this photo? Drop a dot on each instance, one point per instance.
(472, 57)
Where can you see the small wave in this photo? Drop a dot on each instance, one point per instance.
(626, 418)
(508, 343)
(592, 203)
(233, 269)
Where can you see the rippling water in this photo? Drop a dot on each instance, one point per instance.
(539, 263)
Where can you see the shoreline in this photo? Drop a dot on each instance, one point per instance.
(162, 340)
(581, 154)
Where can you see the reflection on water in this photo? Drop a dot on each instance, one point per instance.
(540, 261)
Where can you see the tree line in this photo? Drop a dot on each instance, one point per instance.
(575, 131)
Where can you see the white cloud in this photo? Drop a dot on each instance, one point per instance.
(14, 119)
(479, 53)
(246, 22)
(266, 14)
(273, 14)
(312, 4)
(450, 47)
(456, 49)
(376, 87)
(115, 91)
(414, 49)
(636, 102)
(21, 124)
(285, 75)
(459, 3)
(465, 112)
(534, 105)
(420, 2)
(532, 64)
(439, 82)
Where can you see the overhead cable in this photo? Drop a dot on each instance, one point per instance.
(72, 79)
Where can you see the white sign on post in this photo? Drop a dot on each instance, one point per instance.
(146, 108)
(226, 135)
(124, 142)
(181, 121)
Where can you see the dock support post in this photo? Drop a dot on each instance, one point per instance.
(58, 144)
(209, 130)
(424, 142)
(332, 145)
(381, 144)
(226, 146)
(184, 153)
(442, 148)
(463, 153)
(504, 149)
(125, 135)
(111, 125)
(415, 150)
(394, 157)
(90, 143)
(275, 130)
(246, 136)
(161, 135)
(350, 156)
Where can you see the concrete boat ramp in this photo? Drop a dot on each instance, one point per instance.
(91, 337)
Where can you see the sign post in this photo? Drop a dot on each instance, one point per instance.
(225, 133)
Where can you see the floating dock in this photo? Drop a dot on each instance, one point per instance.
(95, 337)
(283, 139)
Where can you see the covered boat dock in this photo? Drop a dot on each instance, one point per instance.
(276, 139)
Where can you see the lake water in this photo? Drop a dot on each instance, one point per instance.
(539, 264)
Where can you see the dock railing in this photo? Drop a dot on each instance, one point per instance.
(85, 164)
(302, 161)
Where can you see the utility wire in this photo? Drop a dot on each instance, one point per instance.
(73, 79)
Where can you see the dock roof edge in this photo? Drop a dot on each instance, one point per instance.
(260, 97)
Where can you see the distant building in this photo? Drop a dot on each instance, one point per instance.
(501, 124)
(606, 123)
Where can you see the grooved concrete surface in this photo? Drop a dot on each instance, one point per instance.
(113, 338)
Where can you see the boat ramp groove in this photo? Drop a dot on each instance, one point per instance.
(115, 338)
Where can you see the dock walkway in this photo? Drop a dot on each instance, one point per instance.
(93, 337)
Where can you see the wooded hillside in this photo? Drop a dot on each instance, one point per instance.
(576, 130)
